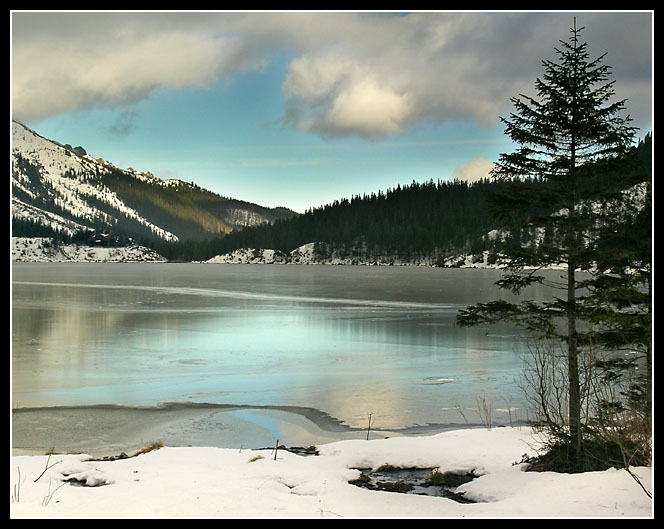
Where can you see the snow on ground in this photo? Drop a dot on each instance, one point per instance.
(203, 482)
(42, 249)
(249, 256)
(306, 254)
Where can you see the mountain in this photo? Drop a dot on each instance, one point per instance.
(57, 189)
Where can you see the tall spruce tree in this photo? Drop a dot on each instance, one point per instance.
(562, 136)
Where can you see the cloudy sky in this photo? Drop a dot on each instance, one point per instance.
(298, 109)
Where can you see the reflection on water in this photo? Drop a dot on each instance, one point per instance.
(346, 340)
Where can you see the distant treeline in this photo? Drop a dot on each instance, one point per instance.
(418, 219)
(411, 220)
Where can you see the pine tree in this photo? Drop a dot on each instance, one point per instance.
(561, 136)
(618, 303)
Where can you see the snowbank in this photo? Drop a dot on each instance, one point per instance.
(228, 483)
(42, 249)
(250, 256)
(307, 254)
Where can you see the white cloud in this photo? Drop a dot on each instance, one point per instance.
(314, 78)
(368, 109)
(334, 95)
(88, 60)
(126, 72)
(368, 74)
(473, 170)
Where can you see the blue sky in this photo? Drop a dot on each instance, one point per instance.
(300, 109)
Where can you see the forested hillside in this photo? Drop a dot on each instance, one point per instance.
(432, 218)
(184, 208)
(404, 220)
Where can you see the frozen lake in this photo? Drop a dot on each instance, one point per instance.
(347, 341)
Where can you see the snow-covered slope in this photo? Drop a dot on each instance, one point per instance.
(65, 188)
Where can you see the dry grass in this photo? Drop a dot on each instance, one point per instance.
(155, 445)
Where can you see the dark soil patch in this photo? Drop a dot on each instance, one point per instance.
(422, 481)
(303, 450)
(299, 450)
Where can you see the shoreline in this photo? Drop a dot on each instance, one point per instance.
(109, 429)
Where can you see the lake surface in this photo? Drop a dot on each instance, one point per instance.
(348, 341)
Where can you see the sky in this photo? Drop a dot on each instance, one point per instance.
(298, 109)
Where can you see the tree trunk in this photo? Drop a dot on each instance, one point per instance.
(576, 440)
(573, 373)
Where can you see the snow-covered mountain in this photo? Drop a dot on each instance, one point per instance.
(67, 190)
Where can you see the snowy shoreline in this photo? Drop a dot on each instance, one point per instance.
(43, 249)
(312, 253)
(38, 430)
(206, 482)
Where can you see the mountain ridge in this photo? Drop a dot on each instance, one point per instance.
(433, 223)
(59, 189)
